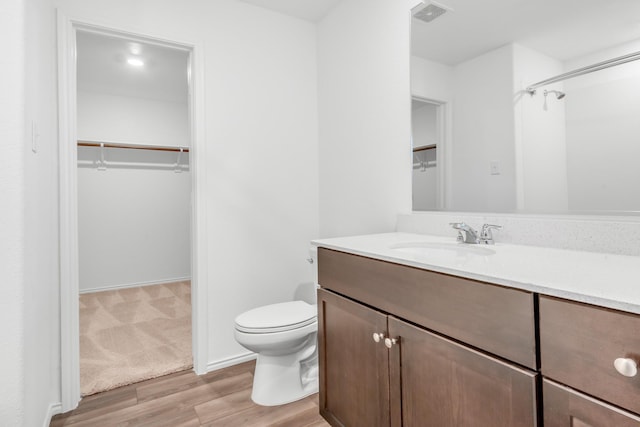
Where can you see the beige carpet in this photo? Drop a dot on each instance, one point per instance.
(130, 335)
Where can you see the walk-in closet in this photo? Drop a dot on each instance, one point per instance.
(134, 210)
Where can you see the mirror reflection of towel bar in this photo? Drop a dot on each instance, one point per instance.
(585, 70)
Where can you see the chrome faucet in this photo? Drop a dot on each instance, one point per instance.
(466, 233)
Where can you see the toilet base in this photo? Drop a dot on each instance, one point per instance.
(284, 379)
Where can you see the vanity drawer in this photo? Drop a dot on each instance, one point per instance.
(579, 343)
(564, 407)
(493, 318)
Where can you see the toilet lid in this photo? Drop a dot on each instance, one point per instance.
(277, 317)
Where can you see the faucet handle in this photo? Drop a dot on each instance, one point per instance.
(486, 236)
(491, 226)
(458, 225)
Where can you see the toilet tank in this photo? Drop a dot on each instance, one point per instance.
(307, 291)
(313, 256)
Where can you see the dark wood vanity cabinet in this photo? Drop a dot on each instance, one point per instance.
(464, 353)
(435, 368)
(566, 407)
(578, 346)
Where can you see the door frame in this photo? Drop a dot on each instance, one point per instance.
(68, 203)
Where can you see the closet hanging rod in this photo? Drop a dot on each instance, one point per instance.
(425, 148)
(131, 146)
(585, 70)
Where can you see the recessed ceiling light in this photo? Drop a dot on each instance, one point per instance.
(135, 62)
(135, 48)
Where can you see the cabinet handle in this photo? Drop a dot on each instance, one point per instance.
(626, 367)
(378, 336)
(390, 342)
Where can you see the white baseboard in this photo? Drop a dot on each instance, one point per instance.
(235, 360)
(53, 409)
(133, 285)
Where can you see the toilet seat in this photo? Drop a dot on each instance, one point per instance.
(277, 318)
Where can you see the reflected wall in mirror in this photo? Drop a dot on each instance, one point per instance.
(571, 147)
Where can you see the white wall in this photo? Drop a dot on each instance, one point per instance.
(602, 111)
(12, 187)
(483, 132)
(261, 135)
(42, 329)
(133, 222)
(540, 138)
(364, 113)
(104, 117)
(28, 184)
(431, 80)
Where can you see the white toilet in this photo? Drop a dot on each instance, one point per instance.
(285, 337)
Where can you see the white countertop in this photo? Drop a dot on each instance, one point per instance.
(596, 278)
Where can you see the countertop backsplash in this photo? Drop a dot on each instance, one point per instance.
(609, 234)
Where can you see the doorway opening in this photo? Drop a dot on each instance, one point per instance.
(134, 190)
(131, 215)
(427, 136)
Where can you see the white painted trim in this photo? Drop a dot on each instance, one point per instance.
(69, 266)
(53, 409)
(133, 285)
(67, 149)
(199, 258)
(230, 361)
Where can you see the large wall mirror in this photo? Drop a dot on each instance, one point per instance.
(484, 143)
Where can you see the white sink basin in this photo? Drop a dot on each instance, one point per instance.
(428, 249)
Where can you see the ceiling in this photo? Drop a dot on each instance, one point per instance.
(562, 29)
(103, 68)
(310, 10)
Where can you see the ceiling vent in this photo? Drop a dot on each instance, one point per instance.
(427, 11)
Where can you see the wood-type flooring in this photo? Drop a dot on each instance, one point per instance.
(184, 399)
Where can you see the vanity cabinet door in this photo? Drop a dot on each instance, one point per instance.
(443, 383)
(564, 407)
(354, 369)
